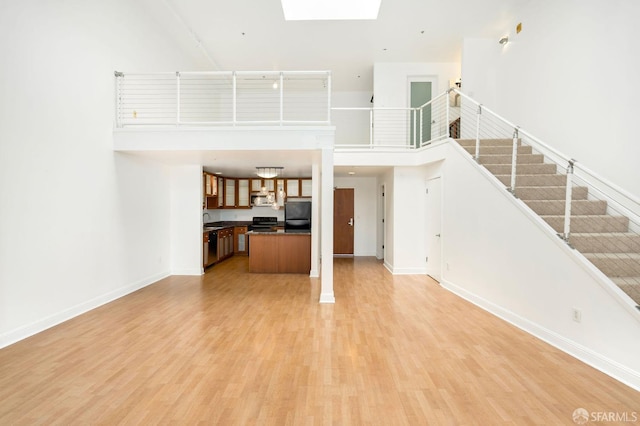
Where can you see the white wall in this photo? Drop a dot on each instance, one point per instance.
(391, 90)
(570, 78)
(502, 260)
(246, 214)
(79, 224)
(365, 213)
(391, 80)
(389, 207)
(406, 226)
(186, 230)
(352, 127)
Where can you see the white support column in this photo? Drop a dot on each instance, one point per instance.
(316, 218)
(326, 281)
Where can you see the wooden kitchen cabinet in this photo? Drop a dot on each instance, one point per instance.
(225, 243)
(211, 186)
(243, 198)
(235, 193)
(306, 187)
(221, 192)
(241, 240)
(280, 253)
(293, 187)
(210, 191)
(258, 183)
(299, 187)
(229, 193)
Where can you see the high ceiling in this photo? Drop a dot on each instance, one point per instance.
(253, 35)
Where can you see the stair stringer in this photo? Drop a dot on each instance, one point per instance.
(500, 255)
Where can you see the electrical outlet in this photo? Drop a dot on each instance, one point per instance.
(576, 314)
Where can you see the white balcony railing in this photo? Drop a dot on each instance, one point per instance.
(394, 128)
(223, 98)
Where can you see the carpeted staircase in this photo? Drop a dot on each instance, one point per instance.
(604, 239)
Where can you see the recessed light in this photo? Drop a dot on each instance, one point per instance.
(217, 173)
(351, 173)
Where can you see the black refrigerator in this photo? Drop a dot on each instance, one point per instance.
(297, 216)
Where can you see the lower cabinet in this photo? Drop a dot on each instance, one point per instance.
(280, 253)
(225, 243)
(241, 240)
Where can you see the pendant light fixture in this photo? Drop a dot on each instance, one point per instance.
(268, 172)
(274, 198)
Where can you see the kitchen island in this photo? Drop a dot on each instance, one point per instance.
(280, 252)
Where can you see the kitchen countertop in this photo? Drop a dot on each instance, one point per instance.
(217, 226)
(214, 228)
(279, 232)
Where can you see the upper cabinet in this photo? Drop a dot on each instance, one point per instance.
(306, 187)
(221, 192)
(243, 199)
(229, 192)
(258, 183)
(293, 187)
(210, 191)
(299, 187)
(210, 185)
(235, 193)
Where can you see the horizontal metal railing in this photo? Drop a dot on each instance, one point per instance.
(593, 215)
(391, 128)
(223, 98)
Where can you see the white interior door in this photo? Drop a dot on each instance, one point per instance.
(433, 227)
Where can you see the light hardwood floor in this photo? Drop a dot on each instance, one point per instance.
(237, 348)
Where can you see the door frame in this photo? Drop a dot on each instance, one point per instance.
(422, 78)
(353, 237)
(434, 269)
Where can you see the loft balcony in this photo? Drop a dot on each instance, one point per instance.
(282, 105)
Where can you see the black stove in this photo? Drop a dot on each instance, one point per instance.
(263, 223)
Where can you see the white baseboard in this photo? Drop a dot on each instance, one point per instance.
(409, 271)
(197, 272)
(609, 367)
(38, 326)
(327, 298)
(314, 273)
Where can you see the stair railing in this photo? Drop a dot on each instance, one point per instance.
(490, 125)
(592, 204)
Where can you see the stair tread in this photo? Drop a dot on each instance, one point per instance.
(633, 281)
(562, 201)
(547, 187)
(536, 175)
(590, 216)
(606, 234)
(633, 256)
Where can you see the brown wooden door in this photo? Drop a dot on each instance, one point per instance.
(343, 221)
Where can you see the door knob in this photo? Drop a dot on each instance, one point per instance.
(351, 222)
(437, 235)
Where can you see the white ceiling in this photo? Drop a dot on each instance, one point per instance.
(253, 35)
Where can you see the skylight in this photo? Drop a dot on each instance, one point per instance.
(322, 10)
